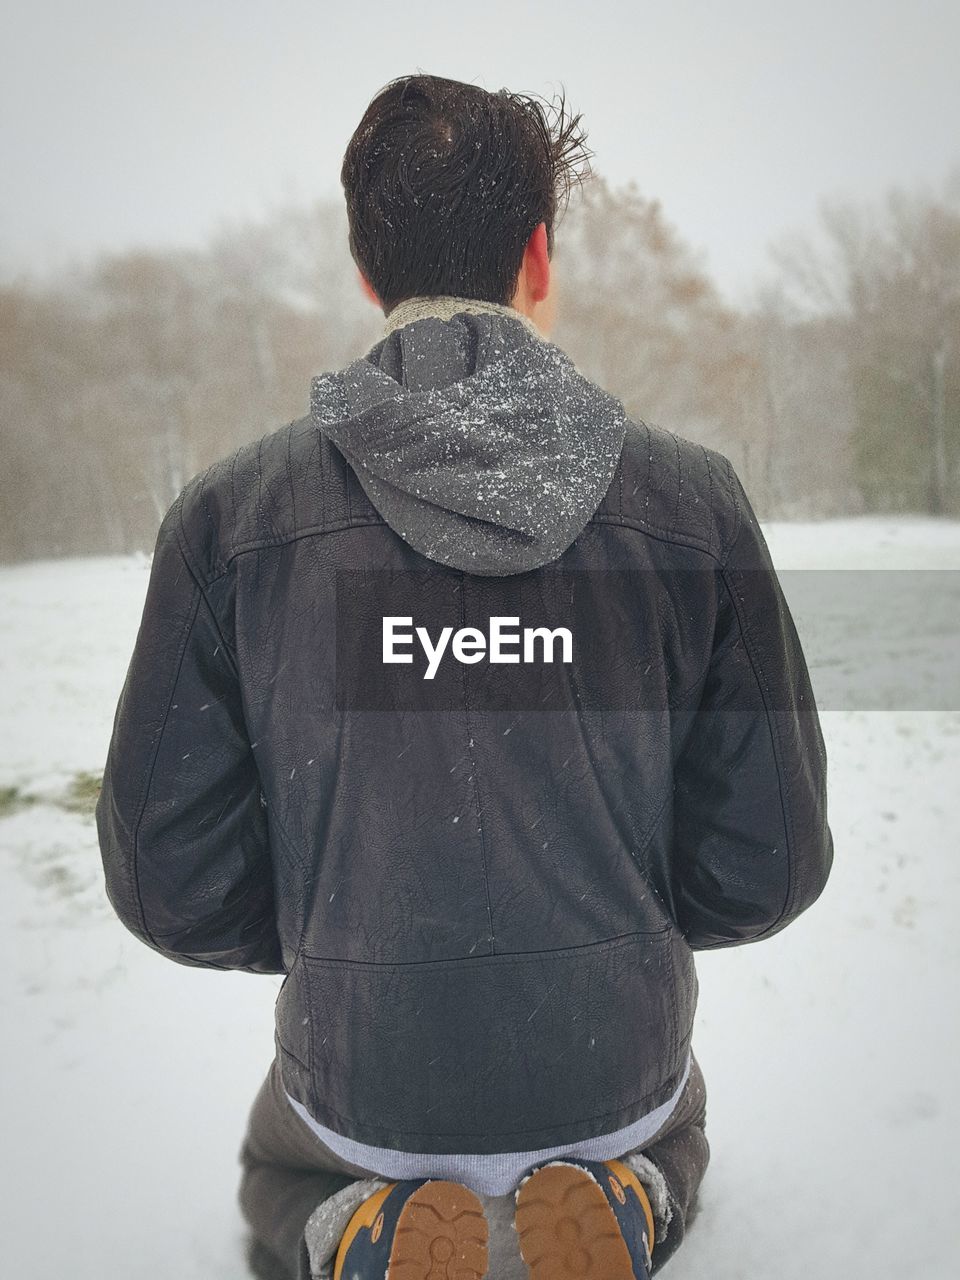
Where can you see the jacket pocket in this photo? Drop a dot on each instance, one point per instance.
(506, 1052)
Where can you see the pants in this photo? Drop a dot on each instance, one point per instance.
(288, 1172)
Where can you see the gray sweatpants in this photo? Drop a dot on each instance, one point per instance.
(297, 1195)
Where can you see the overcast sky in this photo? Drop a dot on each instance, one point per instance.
(129, 123)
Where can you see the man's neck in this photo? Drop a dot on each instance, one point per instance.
(444, 307)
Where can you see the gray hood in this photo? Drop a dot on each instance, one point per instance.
(478, 441)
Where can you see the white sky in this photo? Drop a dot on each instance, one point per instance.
(129, 123)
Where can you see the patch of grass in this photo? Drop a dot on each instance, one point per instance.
(12, 799)
(81, 795)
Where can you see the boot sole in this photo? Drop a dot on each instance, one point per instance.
(441, 1234)
(567, 1230)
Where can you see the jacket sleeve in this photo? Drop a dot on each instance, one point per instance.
(182, 830)
(753, 848)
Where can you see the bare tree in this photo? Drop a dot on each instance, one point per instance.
(641, 317)
(891, 275)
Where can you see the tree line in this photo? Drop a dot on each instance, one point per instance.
(836, 392)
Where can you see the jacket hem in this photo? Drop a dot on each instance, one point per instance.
(299, 1088)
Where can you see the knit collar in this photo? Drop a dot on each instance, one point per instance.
(445, 306)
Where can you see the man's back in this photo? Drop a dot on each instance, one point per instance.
(484, 879)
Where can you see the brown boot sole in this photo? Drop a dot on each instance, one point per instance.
(441, 1234)
(567, 1230)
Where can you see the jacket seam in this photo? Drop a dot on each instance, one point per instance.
(760, 677)
(676, 701)
(706, 458)
(233, 479)
(274, 817)
(476, 784)
(301, 858)
(649, 467)
(184, 548)
(503, 957)
(322, 469)
(305, 872)
(311, 1025)
(293, 488)
(259, 480)
(642, 846)
(290, 1054)
(737, 510)
(659, 534)
(203, 500)
(675, 1035)
(345, 479)
(142, 801)
(670, 536)
(676, 442)
(259, 544)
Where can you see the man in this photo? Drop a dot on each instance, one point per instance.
(475, 708)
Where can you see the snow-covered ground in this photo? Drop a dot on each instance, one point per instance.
(827, 1051)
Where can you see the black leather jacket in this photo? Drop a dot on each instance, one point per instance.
(485, 890)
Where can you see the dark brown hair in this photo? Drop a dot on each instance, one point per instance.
(445, 182)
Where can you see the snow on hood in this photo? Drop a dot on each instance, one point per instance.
(478, 442)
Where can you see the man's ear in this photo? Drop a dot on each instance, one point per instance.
(537, 263)
(367, 288)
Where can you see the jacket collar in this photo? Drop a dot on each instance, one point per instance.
(445, 306)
